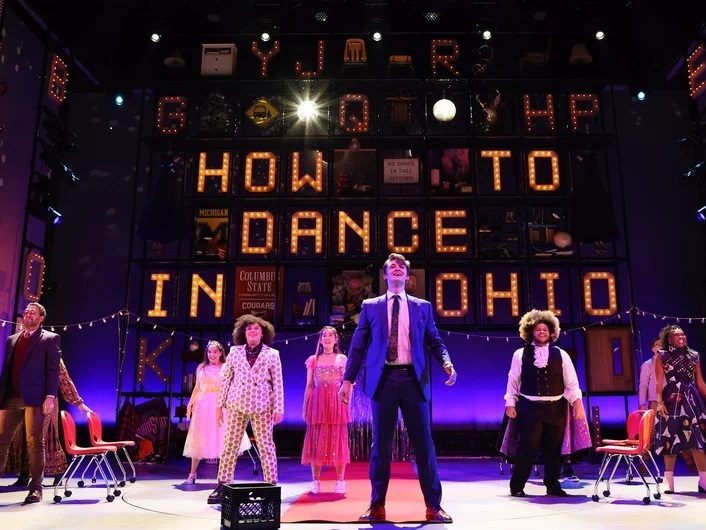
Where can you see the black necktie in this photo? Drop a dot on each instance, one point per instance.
(394, 327)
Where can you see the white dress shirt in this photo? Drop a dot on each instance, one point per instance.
(572, 391)
(648, 383)
(404, 348)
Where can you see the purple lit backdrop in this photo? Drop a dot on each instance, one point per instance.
(91, 249)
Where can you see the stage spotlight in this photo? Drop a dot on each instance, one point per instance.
(486, 34)
(63, 171)
(155, 37)
(641, 95)
(119, 100)
(307, 110)
(444, 110)
(600, 35)
(701, 214)
(268, 29)
(320, 15)
(431, 16)
(697, 170)
(375, 27)
(54, 217)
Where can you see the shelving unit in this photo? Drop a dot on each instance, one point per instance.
(508, 230)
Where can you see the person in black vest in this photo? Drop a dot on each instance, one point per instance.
(541, 381)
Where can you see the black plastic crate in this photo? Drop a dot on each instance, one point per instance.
(250, 506)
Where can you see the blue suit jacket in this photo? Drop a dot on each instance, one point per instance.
(39, 376)
(369, 343)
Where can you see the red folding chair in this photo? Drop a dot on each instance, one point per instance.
(633, 433)
(97, 456)
(95, 428)
(630, 453)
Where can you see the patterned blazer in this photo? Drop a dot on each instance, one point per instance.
(253, 389)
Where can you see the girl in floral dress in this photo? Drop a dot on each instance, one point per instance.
(326, 417)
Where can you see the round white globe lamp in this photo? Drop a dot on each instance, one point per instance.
(444, 110)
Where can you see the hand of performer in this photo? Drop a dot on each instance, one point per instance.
(449, 369)
(219, 416)
(511, 412)
(661, 409)
(579, 412)
(84, 408)
(48, 405)
(276, 418)
(344, 393)
(190, 409)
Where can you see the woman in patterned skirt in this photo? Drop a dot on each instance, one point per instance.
(681, 424)
(326, 416)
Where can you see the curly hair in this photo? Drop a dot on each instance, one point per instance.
(268, 330)
(530, 320)
(336, 346)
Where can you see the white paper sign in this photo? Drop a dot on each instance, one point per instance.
(401, 171)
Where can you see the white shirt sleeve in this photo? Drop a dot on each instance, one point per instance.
(572, 390)
(512, 392)
(642, 390)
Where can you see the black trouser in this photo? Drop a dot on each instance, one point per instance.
(539, 424)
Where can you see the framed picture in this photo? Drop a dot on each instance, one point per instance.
(348, 290)
(354, 172)
(416, 283)
(449, 171)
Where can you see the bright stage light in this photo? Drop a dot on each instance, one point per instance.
(307, 110)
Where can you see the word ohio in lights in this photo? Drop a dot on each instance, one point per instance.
(451, 293)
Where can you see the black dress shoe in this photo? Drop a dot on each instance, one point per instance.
(519, 493)
(438, 515)
(557, 492)
(373, 513)
(34, 496)
(215, 496)
(21, 482)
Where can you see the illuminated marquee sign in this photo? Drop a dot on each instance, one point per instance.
(451, 293)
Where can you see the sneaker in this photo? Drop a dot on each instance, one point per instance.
(315, 487)
(340, 487)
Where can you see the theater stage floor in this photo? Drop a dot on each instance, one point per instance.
(475, 495)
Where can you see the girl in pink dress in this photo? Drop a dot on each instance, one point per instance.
(205, 437)
(326, 417)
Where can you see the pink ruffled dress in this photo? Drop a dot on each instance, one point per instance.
(327, 418)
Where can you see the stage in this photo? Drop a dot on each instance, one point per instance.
(476, 495)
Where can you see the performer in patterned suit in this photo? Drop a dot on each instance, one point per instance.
(251, 391)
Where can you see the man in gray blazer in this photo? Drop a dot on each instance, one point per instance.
(28, 384)
(395, 341)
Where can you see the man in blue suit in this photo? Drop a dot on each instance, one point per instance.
(28, 384)
(394, 342)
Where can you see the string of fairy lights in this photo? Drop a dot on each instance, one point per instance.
(147, 323)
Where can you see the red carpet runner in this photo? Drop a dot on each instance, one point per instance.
(405, 503)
